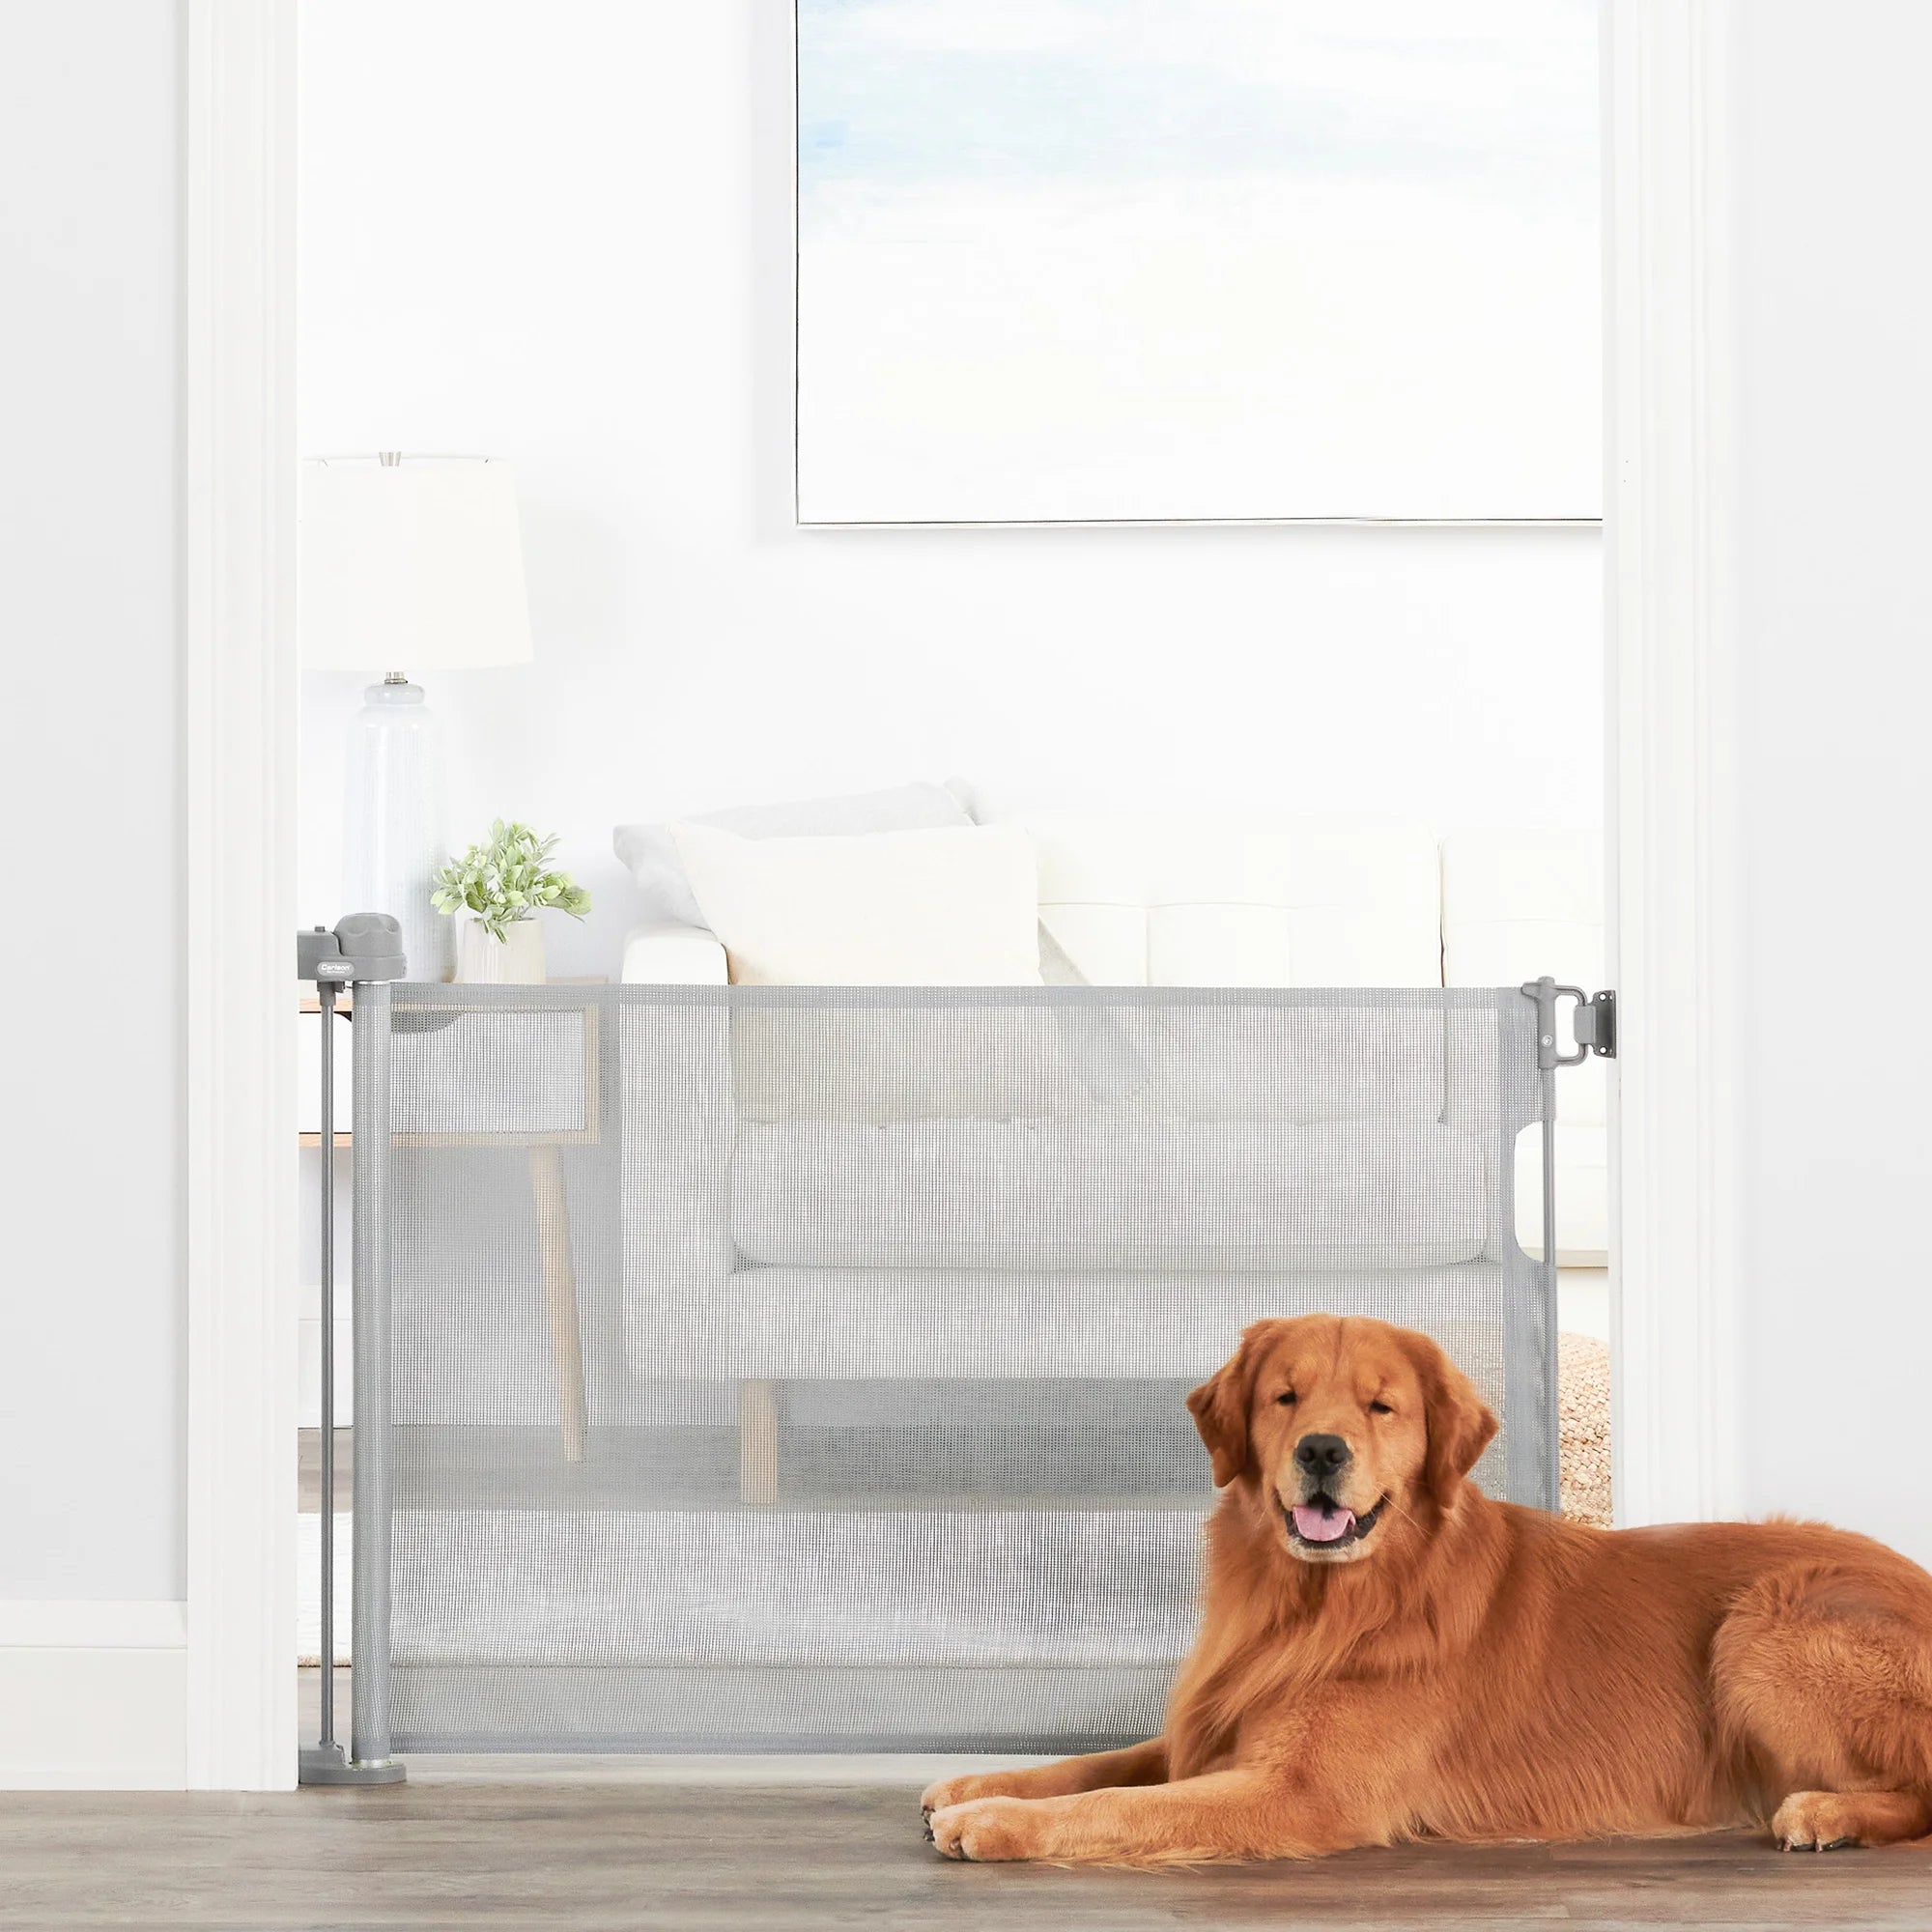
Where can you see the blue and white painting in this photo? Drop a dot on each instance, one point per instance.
(1175, 260)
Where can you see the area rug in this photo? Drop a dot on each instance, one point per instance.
(1583, 1427)
(308, 1588)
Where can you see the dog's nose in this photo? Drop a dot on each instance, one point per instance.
(1322, 1454)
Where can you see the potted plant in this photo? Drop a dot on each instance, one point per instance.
(494, 892)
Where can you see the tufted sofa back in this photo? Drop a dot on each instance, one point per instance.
(1148, 902)
(1215, 902)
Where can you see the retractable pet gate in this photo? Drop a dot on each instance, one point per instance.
(747, 1369)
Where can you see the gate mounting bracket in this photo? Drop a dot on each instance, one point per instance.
(1593, 1024)
(1596, 1024)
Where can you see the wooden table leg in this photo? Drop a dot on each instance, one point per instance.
(559, 1279)
(758, 1443)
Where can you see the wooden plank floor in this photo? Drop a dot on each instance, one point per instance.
(308, 1470)
(427, 1855)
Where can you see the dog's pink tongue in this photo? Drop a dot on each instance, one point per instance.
(1320, 1526)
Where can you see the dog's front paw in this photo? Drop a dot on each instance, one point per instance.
(976, 1784)
(1816, 1821)
(984, 1830)
(952, 1791)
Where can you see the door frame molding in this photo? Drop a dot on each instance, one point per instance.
(1673, 850)
(237, 725)
(1674, 854)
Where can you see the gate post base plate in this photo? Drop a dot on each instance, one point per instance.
(326, 1764)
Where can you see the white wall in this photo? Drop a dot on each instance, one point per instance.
(1834, 406)
(562, 234)
(92, 1306)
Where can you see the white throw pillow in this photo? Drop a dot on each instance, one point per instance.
(943, 908)
(650, 856)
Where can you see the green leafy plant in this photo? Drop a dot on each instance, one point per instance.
(503, 879)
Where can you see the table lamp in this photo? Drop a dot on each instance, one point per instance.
(416, 564)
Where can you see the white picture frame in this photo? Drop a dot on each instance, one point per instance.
(1220, 261)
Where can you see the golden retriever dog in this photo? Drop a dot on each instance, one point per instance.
(1386, 1654)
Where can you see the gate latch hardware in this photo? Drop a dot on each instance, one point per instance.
(364, 945)
(1593, 1023)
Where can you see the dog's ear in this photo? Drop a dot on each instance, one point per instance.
(1220, 1409)
(1461, 1426)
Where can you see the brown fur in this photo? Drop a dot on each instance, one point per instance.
(1473, 1671)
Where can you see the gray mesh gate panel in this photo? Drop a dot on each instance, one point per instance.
(776, 1369)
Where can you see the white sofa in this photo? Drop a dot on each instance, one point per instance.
(1079, 1191)
(1143, 901)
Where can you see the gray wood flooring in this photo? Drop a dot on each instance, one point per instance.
(488, 1845)
(589, 1855)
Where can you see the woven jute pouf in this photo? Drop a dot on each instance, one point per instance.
(1583, 1423)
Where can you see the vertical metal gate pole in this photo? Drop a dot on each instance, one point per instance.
(322, 1762)
(1594, 1029)
(1548, 1058)
(361, 943)
(326, 999)
(1551, 1314)
(369, 1729)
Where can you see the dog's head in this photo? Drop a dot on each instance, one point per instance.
(1331, 1424)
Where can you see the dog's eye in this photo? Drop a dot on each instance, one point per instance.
(1381, 1409)
(1286, 1398)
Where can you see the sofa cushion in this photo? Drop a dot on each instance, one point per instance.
(650, 856)
(848, 1062)
(951, 907)
(1384, 1193)
(1211, 1060)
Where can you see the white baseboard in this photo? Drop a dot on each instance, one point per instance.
(95, 1697)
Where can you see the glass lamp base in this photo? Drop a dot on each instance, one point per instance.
(393, 834)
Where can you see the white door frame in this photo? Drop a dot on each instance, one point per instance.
(1674, 860)
(1674, 864)
(239, 741)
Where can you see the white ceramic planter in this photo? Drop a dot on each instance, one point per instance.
(517, 961)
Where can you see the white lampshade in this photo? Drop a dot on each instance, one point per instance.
(410, 566)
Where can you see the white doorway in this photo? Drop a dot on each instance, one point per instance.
(1668, 639)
